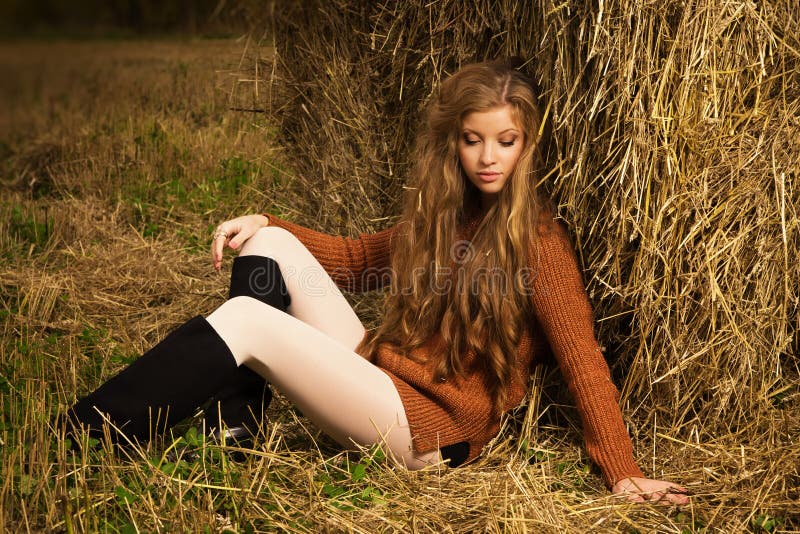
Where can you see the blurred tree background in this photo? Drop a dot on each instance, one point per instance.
(123, 18)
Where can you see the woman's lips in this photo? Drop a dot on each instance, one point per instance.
(488, 176)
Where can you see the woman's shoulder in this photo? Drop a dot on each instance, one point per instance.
(551, 241)
(549, 226)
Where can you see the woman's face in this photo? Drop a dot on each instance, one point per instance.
(489, 146)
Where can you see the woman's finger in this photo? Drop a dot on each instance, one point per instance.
(670, 494)
(216, 253)
(634, 497)
(677, 498)
(677, 495)
(246, 229)
(654, 496)
(233, 233)
(241, 236)
(221, 235)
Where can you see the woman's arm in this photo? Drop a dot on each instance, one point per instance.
(355, 264)
(359, 264)
(562, 308)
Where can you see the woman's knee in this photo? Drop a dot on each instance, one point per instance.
(239, 321)
(269, 241)
(253, 314)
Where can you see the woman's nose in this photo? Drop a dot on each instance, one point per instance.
(487, 155)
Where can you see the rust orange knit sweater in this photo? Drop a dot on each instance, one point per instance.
(443, 413)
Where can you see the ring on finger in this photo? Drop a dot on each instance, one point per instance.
(220, 233)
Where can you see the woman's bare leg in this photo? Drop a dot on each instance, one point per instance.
(346, 396)
(315, 299)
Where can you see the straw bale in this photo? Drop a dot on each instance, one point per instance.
(676, 147)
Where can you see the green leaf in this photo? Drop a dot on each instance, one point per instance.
(193, 437)
(766, 523)
(358, 472)
(332, 491)
(124, 496)
(168, 468)
(377, 455)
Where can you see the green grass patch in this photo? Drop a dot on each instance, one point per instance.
(27, 227)
(349, 487)
(153, 204)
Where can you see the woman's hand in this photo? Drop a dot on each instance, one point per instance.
(234, 233)
(638, 489)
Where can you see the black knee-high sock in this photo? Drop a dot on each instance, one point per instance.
(161, 387)
(259, 277)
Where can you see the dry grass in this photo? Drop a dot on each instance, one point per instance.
(682, 192)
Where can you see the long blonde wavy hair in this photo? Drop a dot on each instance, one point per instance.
(472, 289)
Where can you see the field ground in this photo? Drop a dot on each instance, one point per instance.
(118, 159)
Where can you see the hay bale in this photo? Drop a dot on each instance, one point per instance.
(677, 144)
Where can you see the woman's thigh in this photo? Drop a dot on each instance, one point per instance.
(315, 298)
(346, 396)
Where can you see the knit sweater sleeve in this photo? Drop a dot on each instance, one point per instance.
(562, 308)
(355, 264)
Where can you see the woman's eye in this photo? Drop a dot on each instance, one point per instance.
(471, 141)
(508, 143)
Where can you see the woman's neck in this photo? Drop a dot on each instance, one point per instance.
(488, 200)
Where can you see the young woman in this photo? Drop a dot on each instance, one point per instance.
(481, 278)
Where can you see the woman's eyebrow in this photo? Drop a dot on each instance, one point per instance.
(514, 130)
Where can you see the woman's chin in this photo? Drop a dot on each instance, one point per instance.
(492, 188)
